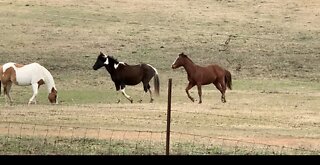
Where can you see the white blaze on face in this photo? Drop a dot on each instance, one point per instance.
(175, 60)
(124, 93)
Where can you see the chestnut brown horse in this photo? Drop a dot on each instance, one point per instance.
(198, 75)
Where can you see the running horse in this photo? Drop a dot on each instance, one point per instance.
(123, 74)
(24, 75)
(198, 75)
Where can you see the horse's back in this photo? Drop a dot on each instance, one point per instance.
(148, 68)
(134, 74)
(25, 74)
(8, 65)
(208, 74)
(217, 69)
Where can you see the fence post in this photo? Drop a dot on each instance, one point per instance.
(168, 116)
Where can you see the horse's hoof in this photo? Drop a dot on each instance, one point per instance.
(118, 101)
(200, 102)
(140, 101)
(151, 101)
(131, 101)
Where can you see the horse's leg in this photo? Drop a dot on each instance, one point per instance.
(200, 93)
(190, 85)
(117, 89)
(118, 101)
(224, 88)
(7, 88)
(147, 88)
(220, 88)
(35, 87)
(124, 94)
(151, 99)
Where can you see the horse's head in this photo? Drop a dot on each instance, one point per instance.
(102, 60)
(53, 95)
(179, 61)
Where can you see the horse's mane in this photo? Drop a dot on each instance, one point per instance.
(113, 59)
(103, 56)
(182, 54)
(185, 56)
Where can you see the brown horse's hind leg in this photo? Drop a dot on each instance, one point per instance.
(223, 85)
(190, 85)
(200, 93)
(222, 89)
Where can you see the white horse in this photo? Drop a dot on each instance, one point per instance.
(23, 75)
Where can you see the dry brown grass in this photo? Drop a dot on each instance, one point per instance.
(268, 118)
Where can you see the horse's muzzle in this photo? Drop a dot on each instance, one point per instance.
(173, 66)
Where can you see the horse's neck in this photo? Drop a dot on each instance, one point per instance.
(110, 69)
(189, 66)
(49, 80)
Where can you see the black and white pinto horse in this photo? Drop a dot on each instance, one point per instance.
(123, 74)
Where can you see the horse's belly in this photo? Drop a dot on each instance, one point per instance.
(131, 83)
(23, 79)
(206, 83)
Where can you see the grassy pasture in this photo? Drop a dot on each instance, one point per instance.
(276, 96)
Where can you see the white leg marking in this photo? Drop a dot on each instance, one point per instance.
(127, 96)
(35, 92)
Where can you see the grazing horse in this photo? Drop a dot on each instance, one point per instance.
(23, 75)
(123, 74)
(198, 75)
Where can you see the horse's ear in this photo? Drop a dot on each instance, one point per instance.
(53, 90)
(182, 54)
(101, 53)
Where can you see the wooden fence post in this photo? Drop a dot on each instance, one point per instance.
(168, 116)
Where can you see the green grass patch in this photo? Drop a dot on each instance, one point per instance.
(85, 146)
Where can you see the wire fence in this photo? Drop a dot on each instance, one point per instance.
(26, 138)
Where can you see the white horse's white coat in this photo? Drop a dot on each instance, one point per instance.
(31, 74)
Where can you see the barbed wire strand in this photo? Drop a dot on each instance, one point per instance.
(34, 126)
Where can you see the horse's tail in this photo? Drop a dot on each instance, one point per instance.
(156, 81)
(228, 79)
(0, 85)
(157, 84)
